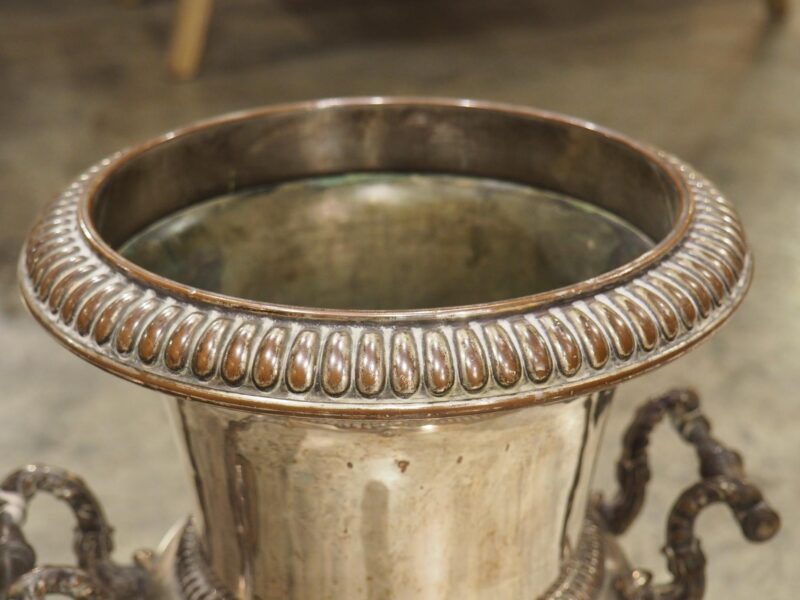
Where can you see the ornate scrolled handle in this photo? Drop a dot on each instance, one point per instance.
(97, 576)
(722, 480)
(65, 581)
(16, 554)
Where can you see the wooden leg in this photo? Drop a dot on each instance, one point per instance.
(189, 37)
(778, 8)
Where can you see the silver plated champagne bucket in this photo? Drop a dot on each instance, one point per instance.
(391, 330)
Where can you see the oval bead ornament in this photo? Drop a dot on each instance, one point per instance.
(268, 361)
(515, 345)
(594, 342)
(506, 365)
(538, 361)
(179, 343)
(89, 310)
(76, 296)
(370, 370)
(472, 365)
(155, 332)
(302, 362)
(109, 319)
(208, 349)
(336, 363)
(237, 355)
(643, 323)
(405, 365)
(132, 324)
(621, 335)
(439, 363)
(566, 348)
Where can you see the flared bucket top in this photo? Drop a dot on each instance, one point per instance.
(385, 256)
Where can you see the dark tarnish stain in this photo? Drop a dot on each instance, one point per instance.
(459, 459)
(565, 543)
(375, 538)
(603, 401)
(349, 465)
(242, 490)
(402, 465)
(478, 248)
(187, 440)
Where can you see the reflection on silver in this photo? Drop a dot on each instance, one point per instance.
(464, 507)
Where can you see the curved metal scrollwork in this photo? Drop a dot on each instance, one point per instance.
(96, 576)
(195, 578)
(66, 581)
(722, 480)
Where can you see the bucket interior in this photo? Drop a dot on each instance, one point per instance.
(385, 207)
(386, 241)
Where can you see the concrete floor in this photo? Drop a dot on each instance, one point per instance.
(709, 80)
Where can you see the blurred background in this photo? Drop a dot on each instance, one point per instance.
(716, 82)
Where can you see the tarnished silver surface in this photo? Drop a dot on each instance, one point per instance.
(590, 574)
(392, 328)
(464, 507)
(386, 241)
(516, 344)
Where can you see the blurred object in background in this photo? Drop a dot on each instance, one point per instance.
(189, 36)
(193, 17)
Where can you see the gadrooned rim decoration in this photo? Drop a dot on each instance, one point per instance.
(351, 367)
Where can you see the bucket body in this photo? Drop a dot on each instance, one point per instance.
(392, 329)
(479, 506)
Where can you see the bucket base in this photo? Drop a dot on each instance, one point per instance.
(182, 572)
